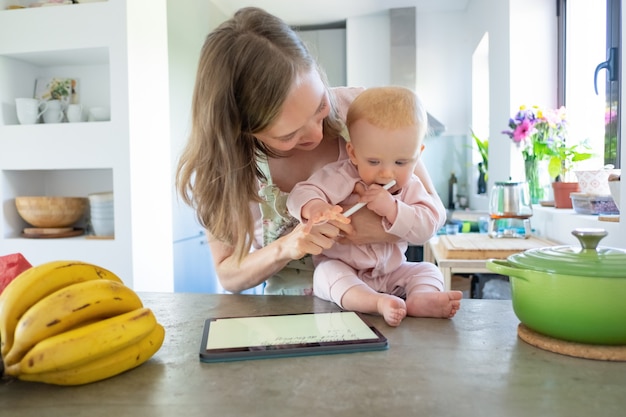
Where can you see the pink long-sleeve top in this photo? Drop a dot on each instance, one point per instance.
(417, 221)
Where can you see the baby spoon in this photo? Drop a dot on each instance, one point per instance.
(359, 206)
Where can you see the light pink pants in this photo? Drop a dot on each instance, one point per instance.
(332, 278)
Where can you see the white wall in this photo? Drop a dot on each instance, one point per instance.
(187, 29)
(443, 82)
(367, 50)
(149, 146)
(443, 92)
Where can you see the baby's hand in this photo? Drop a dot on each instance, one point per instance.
(333, 213)
(379, 201)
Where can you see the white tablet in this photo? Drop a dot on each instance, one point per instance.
(240, 338)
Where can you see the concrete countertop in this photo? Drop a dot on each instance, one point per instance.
(472, 365)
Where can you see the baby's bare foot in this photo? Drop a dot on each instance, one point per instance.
(392, 308)
(434, 304)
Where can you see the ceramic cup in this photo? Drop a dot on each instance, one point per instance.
(99, 114)
(28, 110)
(74, 113)
(54, 112)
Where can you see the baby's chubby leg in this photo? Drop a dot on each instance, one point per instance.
(363, 299)
(335, 281)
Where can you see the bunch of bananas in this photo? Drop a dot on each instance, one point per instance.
(71, 323)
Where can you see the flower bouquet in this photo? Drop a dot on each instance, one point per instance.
(541, 135)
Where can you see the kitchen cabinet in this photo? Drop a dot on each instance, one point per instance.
(103, 46)
(328, 46)
(193, 270)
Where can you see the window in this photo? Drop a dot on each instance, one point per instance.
(589, 57)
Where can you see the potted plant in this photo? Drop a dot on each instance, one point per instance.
(564, 158)
(560, 167)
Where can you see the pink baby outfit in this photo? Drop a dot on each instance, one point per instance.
(382, 266)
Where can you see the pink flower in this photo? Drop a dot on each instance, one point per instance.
(522, 131)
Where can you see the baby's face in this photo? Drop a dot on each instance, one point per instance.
(382, 155)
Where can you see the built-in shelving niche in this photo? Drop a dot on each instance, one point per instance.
(61, 182)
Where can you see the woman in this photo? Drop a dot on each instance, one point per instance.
(263, 119)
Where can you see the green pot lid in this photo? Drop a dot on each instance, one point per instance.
(588, 260)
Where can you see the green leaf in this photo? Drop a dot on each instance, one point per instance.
(581, 157)
(554, 167)
(483, 149)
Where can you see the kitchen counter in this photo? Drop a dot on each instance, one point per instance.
(472, 365)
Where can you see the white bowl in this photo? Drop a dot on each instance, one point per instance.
(107, 216)
(97, 198)
(101, 209)
(103, 227)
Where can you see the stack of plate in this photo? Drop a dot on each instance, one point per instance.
(101, 213)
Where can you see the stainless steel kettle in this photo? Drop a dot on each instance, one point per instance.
(510, 199)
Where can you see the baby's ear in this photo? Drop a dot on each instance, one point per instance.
(351, 154)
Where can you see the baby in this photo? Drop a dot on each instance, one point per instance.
(387, 126)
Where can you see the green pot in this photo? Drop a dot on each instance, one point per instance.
(573, 294)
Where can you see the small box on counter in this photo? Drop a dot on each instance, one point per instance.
(593, 204)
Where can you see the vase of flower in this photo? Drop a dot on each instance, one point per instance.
(538, 179)
(541, 135)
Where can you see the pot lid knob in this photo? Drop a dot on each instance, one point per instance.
(589, 237)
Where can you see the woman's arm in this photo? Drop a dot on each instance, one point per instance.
(259, 265)
(422, 173)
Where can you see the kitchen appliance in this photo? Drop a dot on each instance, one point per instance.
(573, 294)
(510, 210)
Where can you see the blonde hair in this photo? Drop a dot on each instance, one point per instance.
(388, 108)
(246, 69)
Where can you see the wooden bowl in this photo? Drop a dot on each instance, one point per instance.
(51, 211)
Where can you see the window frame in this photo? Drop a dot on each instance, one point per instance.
(612, 142)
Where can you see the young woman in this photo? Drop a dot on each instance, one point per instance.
(263, 119)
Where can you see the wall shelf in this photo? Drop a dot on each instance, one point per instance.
(66, 159)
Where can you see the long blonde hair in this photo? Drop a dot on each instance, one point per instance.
(247, 67)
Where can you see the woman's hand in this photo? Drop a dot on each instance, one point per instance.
(312, 239)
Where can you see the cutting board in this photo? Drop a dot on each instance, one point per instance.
(481, 246)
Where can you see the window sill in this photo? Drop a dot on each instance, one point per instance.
(557, 225)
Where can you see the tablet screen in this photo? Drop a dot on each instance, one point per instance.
(288, 335)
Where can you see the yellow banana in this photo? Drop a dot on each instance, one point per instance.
(86, 343)
(107, 366)
(37, 282)
(67, 308)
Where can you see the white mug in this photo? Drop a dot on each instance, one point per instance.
(28, 110)
(99, 114)
(75, 113)
(53, 112)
